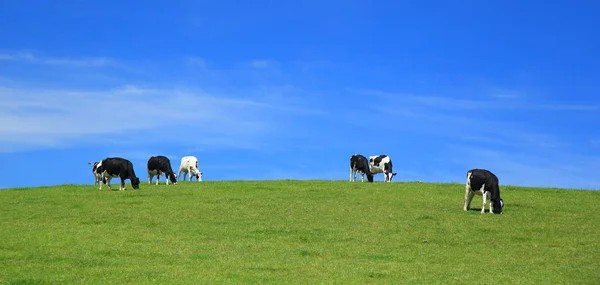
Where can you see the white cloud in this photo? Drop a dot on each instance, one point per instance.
(75, 62)
(197, 62)
(474, 103)
(52, 118)
(541, 168)
(262, 63)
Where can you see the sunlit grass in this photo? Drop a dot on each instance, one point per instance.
(301, 232)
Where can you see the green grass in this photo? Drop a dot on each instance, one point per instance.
(300, 232)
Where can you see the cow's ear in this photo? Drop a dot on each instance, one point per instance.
(394, 173)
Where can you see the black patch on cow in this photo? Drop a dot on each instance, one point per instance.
(378, 159)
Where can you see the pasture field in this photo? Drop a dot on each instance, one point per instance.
(296, 232)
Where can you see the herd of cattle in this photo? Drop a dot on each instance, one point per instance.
(479, 181)
(113, 167)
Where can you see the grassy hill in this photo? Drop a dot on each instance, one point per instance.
(300, 232)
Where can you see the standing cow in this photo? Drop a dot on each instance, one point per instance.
(382, 164)
(189, 164)
(97, 171)
(359, 163)
(113, 167)
(158, 165)
(485, 183)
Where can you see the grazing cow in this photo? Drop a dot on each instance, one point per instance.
(485, 183)
(358, 163)
(158, 165)
(382, 164)
(189, 164)
(96, 171)
(113, 167)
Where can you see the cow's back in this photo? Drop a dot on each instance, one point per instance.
(189, 161)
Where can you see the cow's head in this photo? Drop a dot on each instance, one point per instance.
(173, 178)
(369, 177)
(497, 206)
(390, 176)
(135, 183)
(199, 176)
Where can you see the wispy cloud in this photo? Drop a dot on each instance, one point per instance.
(75, 62)
(50, 118)
(197, 62)
(501, 134)
(544, 168)
(262, 63)
(478, 102)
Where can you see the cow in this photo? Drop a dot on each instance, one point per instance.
(113, 167)
(189, 164)
(96, 171)
(158, 165)
(382, 164)
(485, 183)
(358, 163)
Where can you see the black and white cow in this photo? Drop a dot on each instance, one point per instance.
(485, 183)
(158, 165)
(359, 164)
(189, 164)
(113, 167)
(382, 164)
(96, 171)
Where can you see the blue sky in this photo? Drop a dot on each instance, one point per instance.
(280, 90)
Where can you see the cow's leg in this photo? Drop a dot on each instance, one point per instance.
(108, 182)
(190, 173)
(101, 184)
(150, 176)
(351, 172)
(157, 177)
(468, 196)
(483, 198)
(489, 198)
(122, 184)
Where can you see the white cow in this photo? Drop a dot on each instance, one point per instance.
(189, 164)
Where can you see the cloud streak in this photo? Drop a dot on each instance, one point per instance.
(27, 57)
(50, 118)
